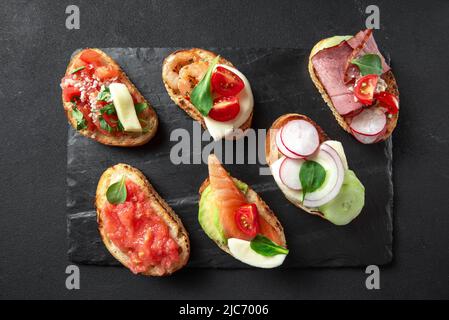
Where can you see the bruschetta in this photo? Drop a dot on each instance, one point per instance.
(312, 170)
(103, 104)
(238, 220)
(137, 226)
(211, 90)
(357, 84)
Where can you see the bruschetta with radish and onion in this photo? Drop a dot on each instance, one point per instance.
(211, 90)
(137, 226)
(357, 84)
(312, 171)
(238, 220)
(103, 104)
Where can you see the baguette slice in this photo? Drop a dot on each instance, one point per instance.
(128, 139)
(388, 77)
(185, 104)
(272, 153)
(163, 210)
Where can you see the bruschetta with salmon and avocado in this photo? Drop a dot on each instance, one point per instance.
(137, 226)
(312, 170)
(239, 221)
(211, 90)
(103, 104)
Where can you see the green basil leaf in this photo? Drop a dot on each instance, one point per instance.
(265, 247)
(120, 126)
(369, 64)
(78, 69)
(105, 126)
(116, 192)
(201, 96)
(109, 109)
(312, 176)
(104, 95)
(79, 117)
(140, 107)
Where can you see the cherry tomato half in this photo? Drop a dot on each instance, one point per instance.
(70, 93)
(364, 88)
(92, 57)
(106, 72)
(225, 108)
(388, 101)
(247, 219)
(225, 82)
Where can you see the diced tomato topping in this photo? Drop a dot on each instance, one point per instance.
(106, 72)
(225, 108)
(225, 82)
(365, 87)
(70, 93)
(388, 101)
(85, 111)
(112, 120)
(247, 219)
(91, 57)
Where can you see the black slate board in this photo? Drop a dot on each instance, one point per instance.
(280, 84)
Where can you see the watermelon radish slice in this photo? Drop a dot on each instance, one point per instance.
(289, 173)
(282, 149)
(300, 137)
(370, 122)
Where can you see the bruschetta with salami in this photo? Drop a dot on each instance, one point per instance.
(357, 84)
(137, 226)
(312, 170)
(103, 104)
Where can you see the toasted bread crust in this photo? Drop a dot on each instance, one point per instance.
(263, 209)
(185, 104)
(128, 139)
(177, 229)
(392, 87)
(272, 153)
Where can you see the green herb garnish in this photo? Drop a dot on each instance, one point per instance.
(79, 117)
(201, 96)
(265, 247)
(312, 176)
(109, 109)
(369, 64)
(105, 125)
(78, 69)
(140, 107)
(116, 192)
(104, 95)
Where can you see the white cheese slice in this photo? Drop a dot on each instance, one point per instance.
(219, 130)
(241, 250)
(124, 105)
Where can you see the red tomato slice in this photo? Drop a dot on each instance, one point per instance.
(85, 110)
(247, 219)
(225, 82)
(104, 73)
(364, 88)
(92, 57)
(388, 100)
(112, 119)
(225, 108)
(70, 93)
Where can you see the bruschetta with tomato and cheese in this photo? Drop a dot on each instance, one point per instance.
(312, 171)
(357, 84)
(238, 220)
(103, 104)
(211, 90)
(137, 226)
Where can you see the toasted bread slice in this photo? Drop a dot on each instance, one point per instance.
(184, 103)
(272, 153)
(128, 139)
(388, 77)
(163, 210)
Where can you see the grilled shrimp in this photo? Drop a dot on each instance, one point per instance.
(175, 63)
(190, 75)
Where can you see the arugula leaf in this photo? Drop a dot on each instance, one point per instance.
(201, 96)
(104, 125)
(369, 64)
(140, 107)
(109, 109)
(77, 69)
(104, 95)
(79, 117)
(312, 176)
(116, 192)
(265, 247)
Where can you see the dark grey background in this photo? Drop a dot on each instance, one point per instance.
(34, 49)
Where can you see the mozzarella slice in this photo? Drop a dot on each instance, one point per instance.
(241, 250)
(124, 105)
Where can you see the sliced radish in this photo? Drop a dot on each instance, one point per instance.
(367, 139)
(289, 173)
(370, 122)
(282, 149)
(300, 137)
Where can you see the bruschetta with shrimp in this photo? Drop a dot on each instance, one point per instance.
(103, 104)
(357, 84)
(239, 221)
(137, 226)
(211, 90)
(312, 170)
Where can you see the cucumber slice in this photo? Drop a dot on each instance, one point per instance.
(348, 203)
